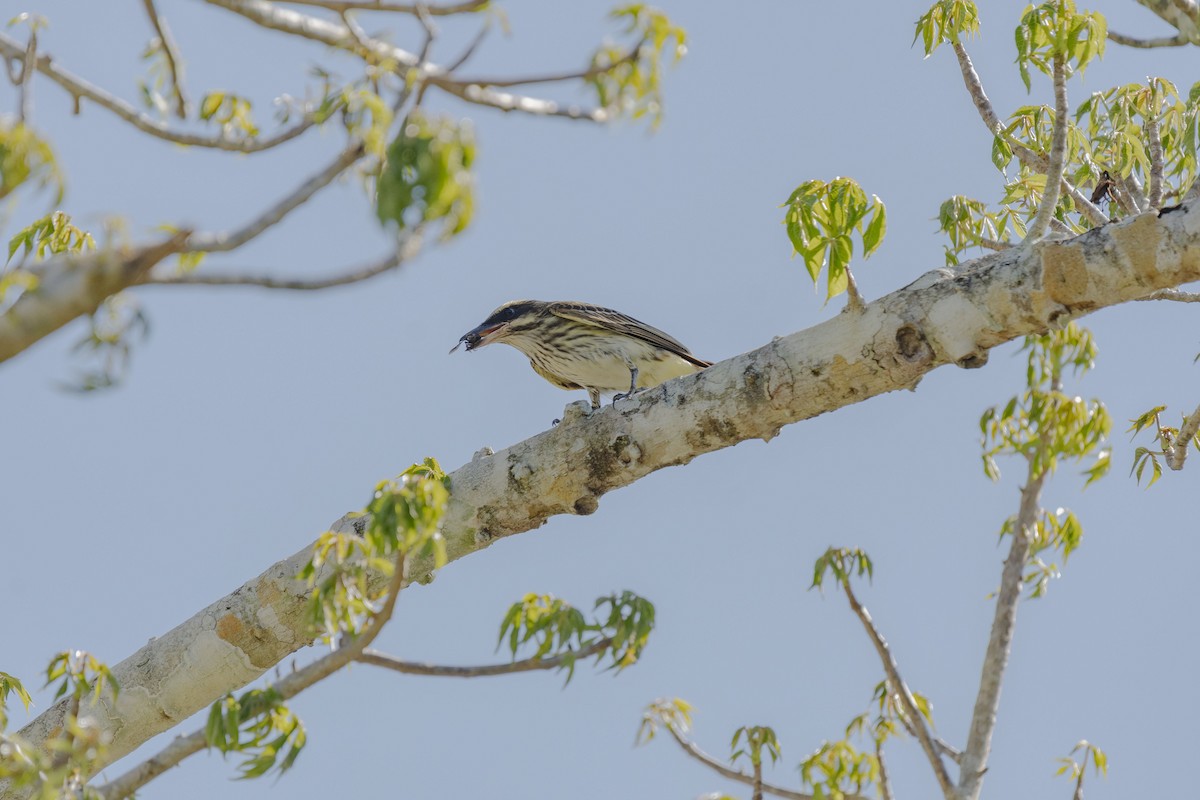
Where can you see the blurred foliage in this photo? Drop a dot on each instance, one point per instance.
(674, 713)
(258, 725)
(841, 562)
(232, 112)
(1075, 769)
(820, 219)
(26, 158)
(113, 330)
(632, 87)
(427, 178)
(555, 628)
(50, 235)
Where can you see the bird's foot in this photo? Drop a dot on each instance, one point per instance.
(627, 395)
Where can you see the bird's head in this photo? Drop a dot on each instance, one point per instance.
(508, 319)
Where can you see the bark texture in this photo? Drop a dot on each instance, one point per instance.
(944, 317)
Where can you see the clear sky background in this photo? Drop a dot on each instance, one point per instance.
(252, 420)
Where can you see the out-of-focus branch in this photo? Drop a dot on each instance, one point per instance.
(1182, 15)
(79, 89)
(527, 665)
(907, 702)
(1177, 295)
(1058, 155)
(399, 8)
(885, 779)
(333, 34)
(174, 61)
(224, 242)
(587, 74)
(1028, 157)
(404, 253)
(1132, 41)
(25, 84)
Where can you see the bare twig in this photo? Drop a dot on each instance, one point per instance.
(885, 780)
(1177, 295)
(286, 688)
(1058, 155)
(399, 8)
(224, 242)
(907, 702)
(758, 781)
(24, 86)
(995, 660)
(484, 30)
(1131, 41)
(554, 77)
(171, 51)
(79, 88)
(527, 665)
(693, 750)
(1155, 151)
(404, 253)
(333, 34)
(1026, 156)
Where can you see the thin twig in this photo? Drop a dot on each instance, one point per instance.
(554, 77)
(286, 688)
(1155, 151)
(224, 242)
(333, 34)
(1026, 156)
(1176, 295)
(693, 750)
(403, 254)
(1058, 156)
(885, 780)
(399, 8)
(25, 86)
(1132, 41)
(379, 659)
(995, 660)
(993, 244)
(174, 61)
(907, 702)
(484, 30)
(79, 88)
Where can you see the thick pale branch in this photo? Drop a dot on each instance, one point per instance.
(1182, 15)
(79, 88)
(379, 659)
(1155, 151)
(944, 317)
(224, 242)
(1177, 453)
(171, 53)
(69, 286)
(995, 660)
(1034, 160)
(914, 720)
(338, 35)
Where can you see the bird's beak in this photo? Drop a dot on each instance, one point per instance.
(479, 336)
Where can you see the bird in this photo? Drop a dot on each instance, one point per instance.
(577, 345)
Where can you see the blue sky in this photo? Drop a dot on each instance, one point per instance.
(252, 420)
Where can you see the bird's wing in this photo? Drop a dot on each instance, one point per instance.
(601, 317)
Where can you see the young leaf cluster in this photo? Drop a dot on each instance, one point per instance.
(1075, 769)
(841, 562)
(258, 725)
(553, 627)
(427, 177)
(26, 158)
(946, 22)
(968, 223)
(674, 713)
(1056, 30)
(1059, 532)
(403, 519)
(232, 112)
(820, 219)
(749, 742)
(632, 87)
(1167, 438)
(50, 235)
(1044, 424)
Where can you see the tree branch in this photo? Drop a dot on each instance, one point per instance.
(399, 8)
(995, 660)
(1182, 15)
(406, 251)
(287, 687)
(885, 780)
(586, 74)
(1130, 41)
(1058, 155)
(1173, 294)
(269, 15)
(79, 88)
(69, 286)
(25, 84)
(907, 701)
(231, 240)
(693, 750)
(1026, 156)
(171, 52)
(944, 317)
(379, 659)
(1176, 454)
(1155, 151)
